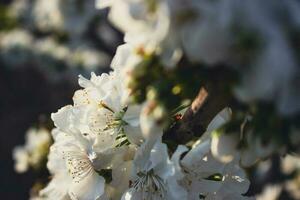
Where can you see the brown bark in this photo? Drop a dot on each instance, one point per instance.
(210, 100)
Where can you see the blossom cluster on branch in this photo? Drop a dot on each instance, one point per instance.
(105, 149)
(144, 131)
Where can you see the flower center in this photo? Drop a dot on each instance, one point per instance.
(150, 185)
(79, 164)
(114, 119)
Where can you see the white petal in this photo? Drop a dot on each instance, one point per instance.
(223, 147)
(89, 188)
(55, 162)
(142, 156)
(120, 178)
(134, 134)
(197, 153)
(62, 118)
(205, 187)
(220, 119)
(148, 124)
(85, 83)
(132, 115)
(160, 161)
(100, 4)
(111, 158)
(122, 54)
(57, 188)
(132, 195)
(176, 192)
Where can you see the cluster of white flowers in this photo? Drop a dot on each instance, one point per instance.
(106, 147)
(48, 54)
(101, 152)
(35, 150)
(52, 35)
(65, 16)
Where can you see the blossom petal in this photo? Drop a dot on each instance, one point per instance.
(89, 188)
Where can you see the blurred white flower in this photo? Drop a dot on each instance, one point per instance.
(256, 150)
(20, 9)
(261, 170)
(145, 23)
(204, 30)
(290, 163)
(293, 186)
(126, 57)
(149, 117)
(21, 158)
(47, 15)
(270, 192)
(49, 47)
(35, 150)
(15, 43)
(126, 60)
(63, 15)
(88, 58)
(147, 26)
(77, 14)
(53, 59)
(223, 146)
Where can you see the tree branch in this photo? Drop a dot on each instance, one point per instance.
(210, 100)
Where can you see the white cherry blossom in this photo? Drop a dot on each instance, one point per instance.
(104, 101)
(155, 176)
